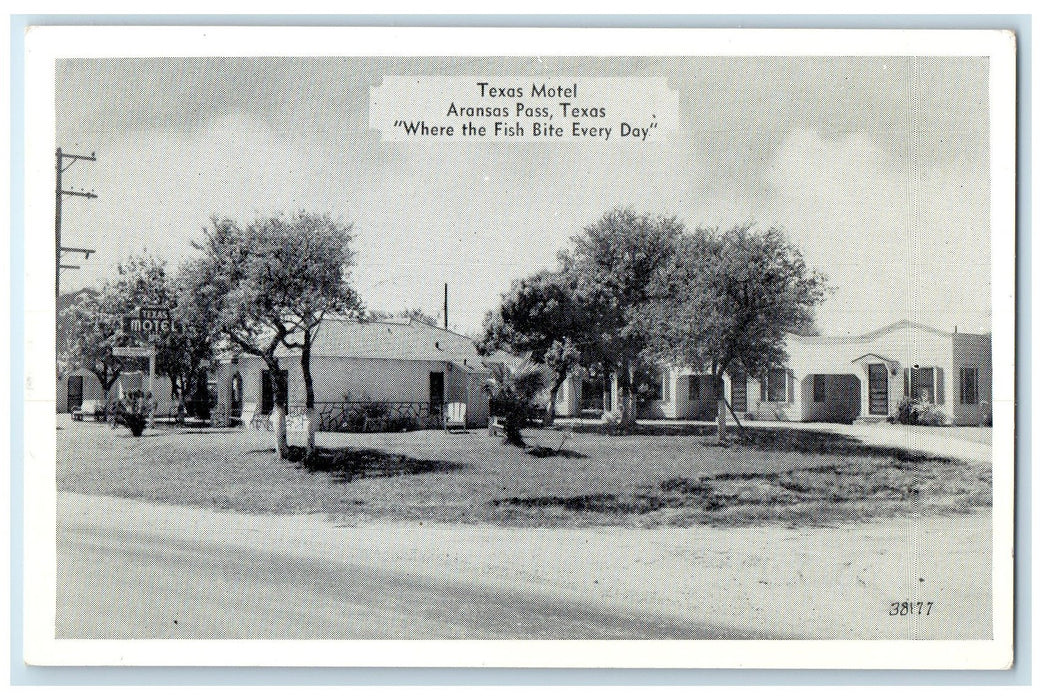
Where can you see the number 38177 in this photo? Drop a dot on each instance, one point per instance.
(910, 607)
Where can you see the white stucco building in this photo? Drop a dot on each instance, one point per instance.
(833, 379)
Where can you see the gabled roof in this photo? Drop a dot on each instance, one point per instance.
(865, 337)
(393, 340)
(877, 356)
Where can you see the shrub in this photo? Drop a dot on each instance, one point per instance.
(133, 410)
(366, 417)
(400, 423)
(512, 392)
(910, 412)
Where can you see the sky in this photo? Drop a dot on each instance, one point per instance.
(877, 168)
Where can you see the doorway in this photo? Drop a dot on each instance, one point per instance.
(75, 392)
(878, 392)
(437, 392)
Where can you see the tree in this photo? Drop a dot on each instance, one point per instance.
(512, 390)
(541, 317)
(271, 284)
(614, 262)
(97, 319)
(726, 300)
(95, 328)
(194, 336)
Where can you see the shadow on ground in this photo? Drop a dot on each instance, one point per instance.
(774, 439)
(349, 463)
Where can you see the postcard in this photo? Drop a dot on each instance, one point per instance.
(519, 347)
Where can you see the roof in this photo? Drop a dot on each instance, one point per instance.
(876, 355)
(394, 340)
(864, 337)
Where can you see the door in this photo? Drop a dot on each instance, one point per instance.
(437, 392)
(267, 398)
(75, 392)
(739, 393)
(694, 395)
(236, 400)
(878, 395)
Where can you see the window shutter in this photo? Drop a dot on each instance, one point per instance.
(763, 389)
(790, 387)
(939, 388)
(907, 381)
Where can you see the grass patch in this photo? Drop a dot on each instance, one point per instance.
(657, 477)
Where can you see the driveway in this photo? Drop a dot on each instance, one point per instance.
(972, 444)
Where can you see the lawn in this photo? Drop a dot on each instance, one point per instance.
(665, 475)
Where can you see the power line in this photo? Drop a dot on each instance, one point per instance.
(59, 168)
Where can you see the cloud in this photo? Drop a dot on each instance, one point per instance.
(894, 243)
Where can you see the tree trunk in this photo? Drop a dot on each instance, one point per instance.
(627, 419)
(280, 409)
(551, 407)
(721, 409)
(309, 392)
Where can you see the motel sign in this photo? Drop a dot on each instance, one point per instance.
(151, 322)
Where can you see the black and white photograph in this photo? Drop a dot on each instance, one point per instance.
(526, 336)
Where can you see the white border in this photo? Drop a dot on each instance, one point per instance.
(46, 44)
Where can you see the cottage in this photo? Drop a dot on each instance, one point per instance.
(81, 385)
(403, 371)
(830, 379)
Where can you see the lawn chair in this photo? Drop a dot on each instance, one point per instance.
(455, 416)
(88, 408)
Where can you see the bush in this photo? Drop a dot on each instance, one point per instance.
(133, 410)
(512, 392)
(400, 424)
(367, 417)
(911, 412)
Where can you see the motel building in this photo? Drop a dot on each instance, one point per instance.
(859, 378)
(407, 369)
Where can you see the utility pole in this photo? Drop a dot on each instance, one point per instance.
(446, 306)
(59, 168)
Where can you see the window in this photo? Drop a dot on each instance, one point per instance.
(773, 388)
(968, 385)
(920, 384)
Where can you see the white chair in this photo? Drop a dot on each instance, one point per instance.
(455, 416)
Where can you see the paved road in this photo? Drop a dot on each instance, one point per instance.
(120, 583)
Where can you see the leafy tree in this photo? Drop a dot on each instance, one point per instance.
(614, 262)
(271, 284)
(726, 301)
(194, 336)
(96, 320)
(95, 328)
(541, 317)
(512, 390)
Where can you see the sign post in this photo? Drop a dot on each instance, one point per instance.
(150, 353)
(151, 323)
